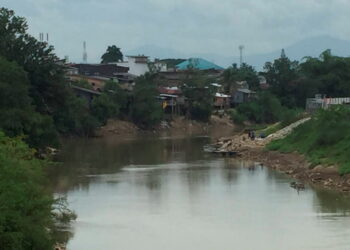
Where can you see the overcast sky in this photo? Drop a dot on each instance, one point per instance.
(189, 26)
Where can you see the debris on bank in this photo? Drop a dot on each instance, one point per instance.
(242, 142)
(293, 164)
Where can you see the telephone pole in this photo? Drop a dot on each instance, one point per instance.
(241, 48)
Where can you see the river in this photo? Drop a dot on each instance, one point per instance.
(150, 193)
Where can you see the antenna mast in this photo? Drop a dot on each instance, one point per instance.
(84, 53)
(241, 48)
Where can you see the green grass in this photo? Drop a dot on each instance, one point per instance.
(325, 139)
(270, 129)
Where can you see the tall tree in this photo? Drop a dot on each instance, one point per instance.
(146, 110)
(48, 89)
(113, 54)
(234, 74)
(26, 207)
(328, 74)
(199, 93)
(17, 114)
(282, 75)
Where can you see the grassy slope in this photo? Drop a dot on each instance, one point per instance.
(325, 139)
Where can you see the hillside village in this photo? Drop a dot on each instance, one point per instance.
(171, 81)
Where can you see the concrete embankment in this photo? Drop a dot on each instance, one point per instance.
(292, 164)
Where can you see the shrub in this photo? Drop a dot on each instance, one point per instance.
(103, 108)
(25, 210)
(265, 109)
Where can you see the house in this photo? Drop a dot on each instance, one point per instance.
(69, 70)
(222, 101)
(322, 102)
(218, 87)
(198, 63)
(103, 70)
(172, 100)
(160, 66)
(242, 95)
(97, 82)
(86, 94)
(177, 77)
(138, 65)
(263, 83)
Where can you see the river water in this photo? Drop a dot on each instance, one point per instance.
(167, 194)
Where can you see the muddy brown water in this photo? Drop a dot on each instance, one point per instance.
(167, 194)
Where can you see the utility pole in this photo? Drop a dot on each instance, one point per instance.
(84, 53)
(241, 48)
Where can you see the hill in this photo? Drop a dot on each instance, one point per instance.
(308, 47)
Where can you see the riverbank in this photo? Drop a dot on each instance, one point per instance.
(177, 126)
(291, 163)
(296, 166)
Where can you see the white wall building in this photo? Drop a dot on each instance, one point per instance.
(138, 65)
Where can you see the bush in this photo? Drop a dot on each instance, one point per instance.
(104, 108)
(201, 111)
(238, 118)
(289, 116)
(265, 109)
(25, 210)
(146, 110)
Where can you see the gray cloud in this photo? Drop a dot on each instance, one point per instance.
(197, 26)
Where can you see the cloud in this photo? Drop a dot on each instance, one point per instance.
(205, 26)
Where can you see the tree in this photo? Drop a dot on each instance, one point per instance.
(17, 114)
(282, 75)
(200, 95)
(49, 91)
(146, 110)
(265, 109)
(235, 74)
(113, 54)
(328, 75)
(118, 95)
(103, 108)
(26, 207)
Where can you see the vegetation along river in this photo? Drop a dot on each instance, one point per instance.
(167, 194)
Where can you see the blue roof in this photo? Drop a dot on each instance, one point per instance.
(198, 63)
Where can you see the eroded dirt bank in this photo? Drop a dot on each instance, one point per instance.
(292, 164)
(298, 167)
(177, 126)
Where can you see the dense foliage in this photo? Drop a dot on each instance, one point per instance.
(17, 113)
(34, 81)
(199, 94)
(25, 207)
(234, 74)
(265, 108)
(294, 82)
(112, 55)
(146, 110)
(110, 103)
(325, 139)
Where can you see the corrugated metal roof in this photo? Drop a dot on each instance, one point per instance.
(198, 63)
(247, 91)
(222, 95)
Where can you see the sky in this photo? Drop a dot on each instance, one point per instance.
(188, 26)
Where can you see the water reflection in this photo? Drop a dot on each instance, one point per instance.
(170, 195)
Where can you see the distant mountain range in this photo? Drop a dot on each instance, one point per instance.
(308, 47)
